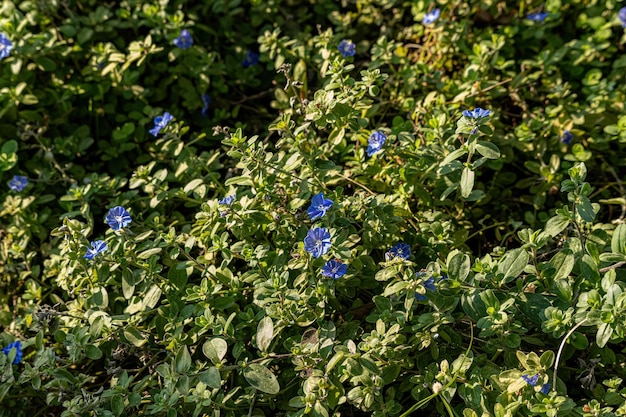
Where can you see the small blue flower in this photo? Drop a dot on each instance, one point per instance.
(401, 250)
(538, 17)
(97, 247)
(160, 122)
(334, 269)
(622, 16)
(477, 113)
(18, 183)
(206, 100)
(545, 388)
(431, 17)
(5, 46)
(228, 200)
(346, 48)
(251, 59)
(185, 40)
(531, 380)
(567, 137)
(118, 217)
(317, 242)
(375, 142)
(429, 285)
(17, 345)
(319, 206)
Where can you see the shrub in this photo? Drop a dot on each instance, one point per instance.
(284, 208)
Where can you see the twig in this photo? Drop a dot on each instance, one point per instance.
(608, 268)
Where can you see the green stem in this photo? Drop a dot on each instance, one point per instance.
(558, 355)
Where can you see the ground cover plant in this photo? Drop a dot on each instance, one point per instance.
(291, 208)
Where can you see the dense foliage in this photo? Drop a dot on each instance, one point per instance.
(319, 208)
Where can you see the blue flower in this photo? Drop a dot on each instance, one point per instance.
(18, 183)
(118, 217)
(185, 40)
(251, 59)
(401, 250)
(431, 16)
(206, 99)
(429, 285)
(97, 247)
(477, 113)
(420, 297)
(17, 345)
(160, 122)
(334, 269)
(227, 201)
(375, 142)
(346, 48)
(317, 242)
(545, 388)
(5, 46)
(567, 137)
(622, 16)
(319, 206)
(538, 17)
(531, 380)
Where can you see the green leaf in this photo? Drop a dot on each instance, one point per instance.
(336, 136)
(264, 333)
(193, 184)
(292, 163)
(589, 268)
(612, 257)
(459, 267)
(473, 305)
(533, 306)
(46, 63)
(563, 289)
(385, 274)
(585, 210)
(556, 224)
(84, 35)
(29, 99)
(563, 262)
(117, 404)
(488, 149)
(211, 377)
(152, 297)
(455, 154)
(261, 378)
(579, 341)
(178, 275)
(605, 331)
(215, 350)
(512, 264)
(243, 180)
(93, 352)
(10, 146)
(547, 359)
(134, 336)
(148, 253)
(8, 156)
(462, 363)
(467, 182)
(618, 240)
(183, 360)
(395, 288)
